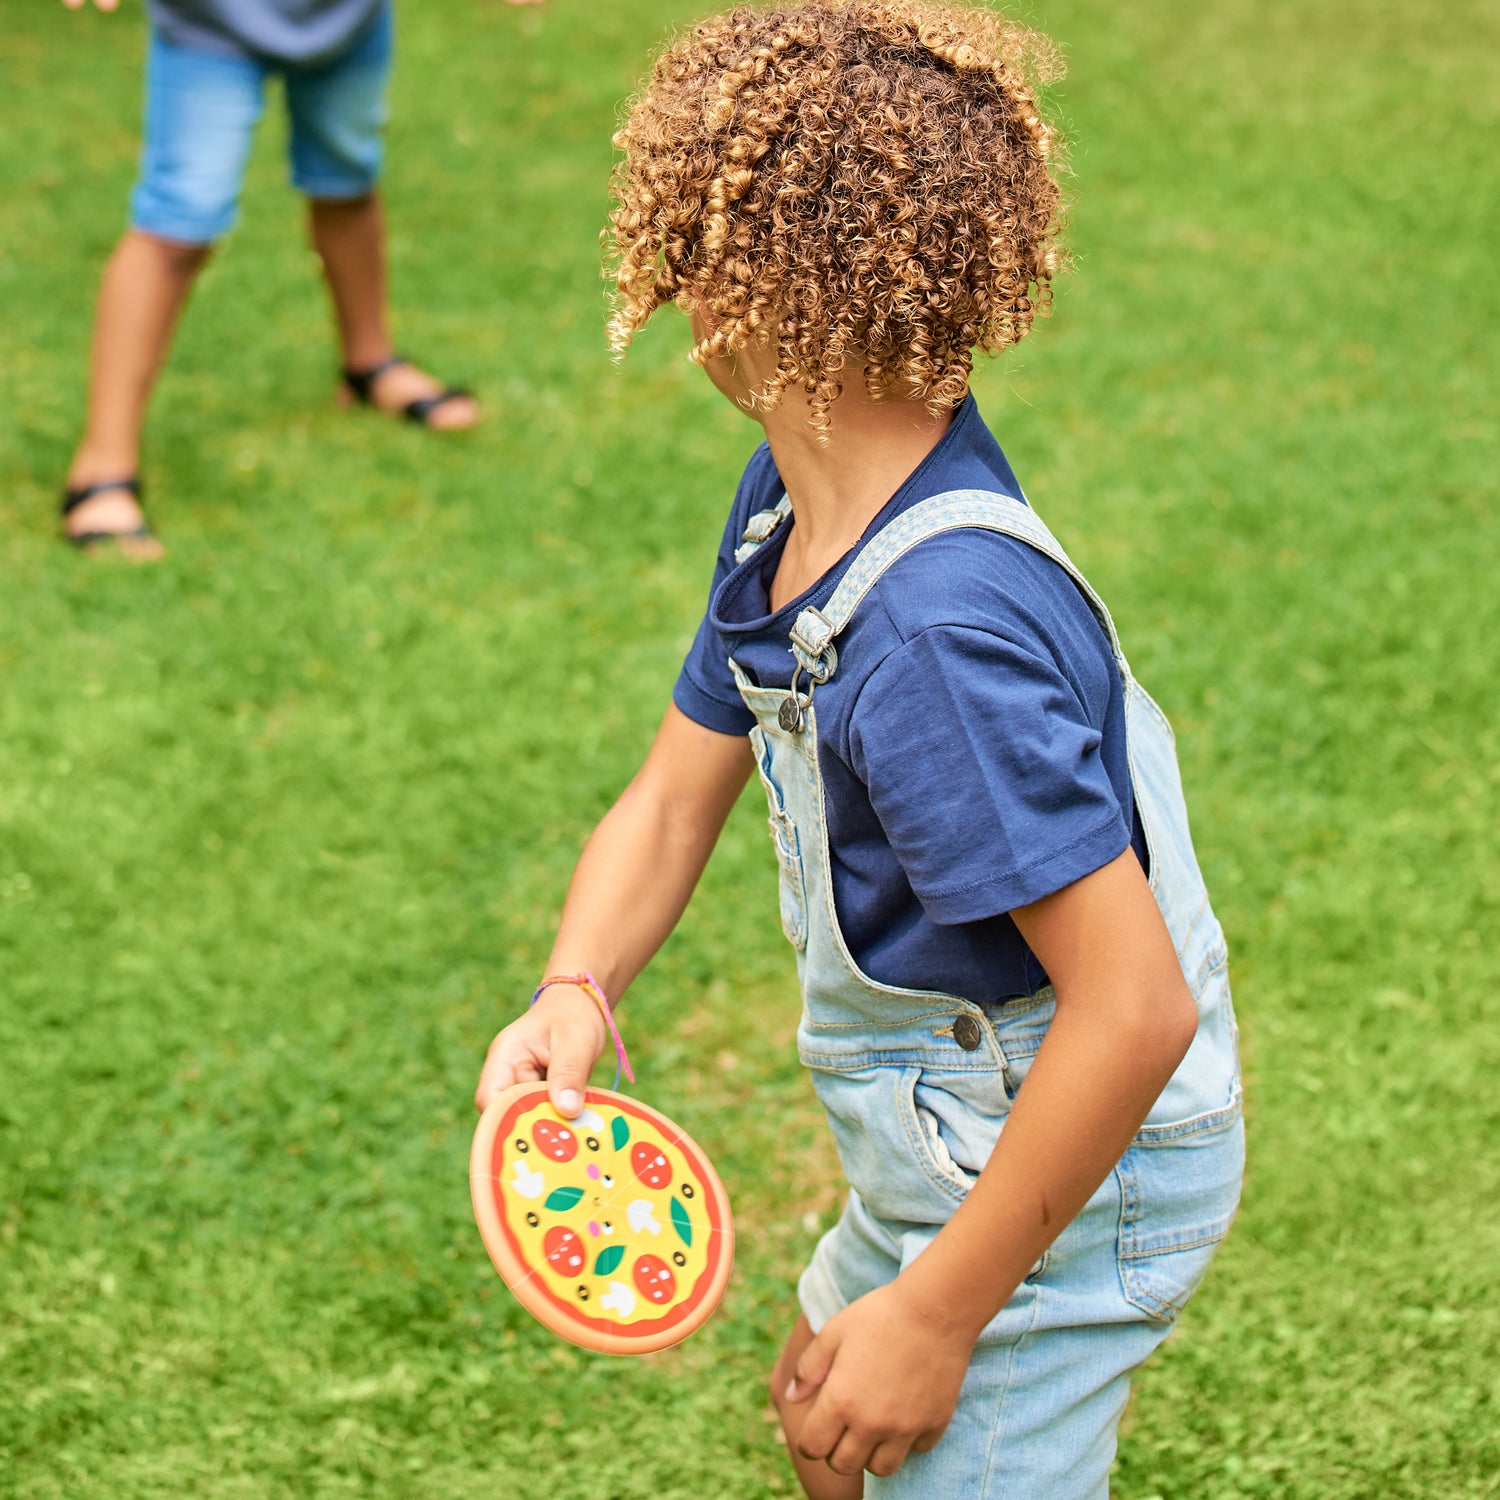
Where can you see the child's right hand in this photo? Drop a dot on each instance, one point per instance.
(560, 1039)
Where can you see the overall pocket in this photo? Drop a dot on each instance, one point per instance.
(958, 1119)
(793, 895)
(1179, 1194)
(890, 1150)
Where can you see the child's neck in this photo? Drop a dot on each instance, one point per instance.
(838, 486)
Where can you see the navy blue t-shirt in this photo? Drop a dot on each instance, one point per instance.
(971, 740)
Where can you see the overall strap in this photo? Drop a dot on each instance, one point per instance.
(759, 528)
(815, 630)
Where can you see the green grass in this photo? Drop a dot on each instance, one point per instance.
(284, 821)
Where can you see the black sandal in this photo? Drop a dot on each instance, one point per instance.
(361, 385)
(76, 495)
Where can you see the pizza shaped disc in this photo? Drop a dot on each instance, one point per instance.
(612, 1229)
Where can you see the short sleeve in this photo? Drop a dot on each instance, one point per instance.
(985, 771)
(705, 689)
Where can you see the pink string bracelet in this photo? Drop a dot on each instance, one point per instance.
(592, 988)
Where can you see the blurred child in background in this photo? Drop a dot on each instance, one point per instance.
(206, 70)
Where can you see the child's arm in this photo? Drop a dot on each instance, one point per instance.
(883, 1375)
(633, 880)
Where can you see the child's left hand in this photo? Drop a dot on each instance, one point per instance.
(883, 1377)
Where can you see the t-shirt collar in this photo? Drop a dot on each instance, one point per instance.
(752, 577)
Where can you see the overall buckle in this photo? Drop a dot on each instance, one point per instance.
(812, 646)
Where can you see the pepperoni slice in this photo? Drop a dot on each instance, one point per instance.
(555, 1142)
(654, 1279)
(650, 1164)
(564, 1251)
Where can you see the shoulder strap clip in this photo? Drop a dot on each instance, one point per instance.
(812, 644)
(759, 527)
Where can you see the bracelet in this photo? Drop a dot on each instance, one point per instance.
(592, 988)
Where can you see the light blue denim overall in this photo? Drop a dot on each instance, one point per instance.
(918, 1084)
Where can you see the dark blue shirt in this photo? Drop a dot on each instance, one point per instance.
(971, 740)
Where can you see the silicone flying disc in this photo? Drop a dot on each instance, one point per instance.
(611, 1229)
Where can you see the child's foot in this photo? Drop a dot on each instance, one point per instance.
(108, 513)
(400, 389)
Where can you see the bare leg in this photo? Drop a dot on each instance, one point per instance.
(349, 236)
(144, 287)
(819, 1482)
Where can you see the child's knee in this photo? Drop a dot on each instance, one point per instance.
(181, 257)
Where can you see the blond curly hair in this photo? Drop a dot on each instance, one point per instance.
(842, 178)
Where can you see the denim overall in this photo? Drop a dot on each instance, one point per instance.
(917, 1086)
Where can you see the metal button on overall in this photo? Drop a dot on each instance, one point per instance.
(789, 715)
(966, 1033)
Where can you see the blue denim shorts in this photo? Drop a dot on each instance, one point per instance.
(201, 112)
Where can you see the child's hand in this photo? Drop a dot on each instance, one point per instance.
(559, 1039)
(883, 1378)
(98, 4)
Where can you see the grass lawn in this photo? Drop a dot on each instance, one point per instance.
(284, 821)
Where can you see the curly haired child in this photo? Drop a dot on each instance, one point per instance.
(1015, 1005)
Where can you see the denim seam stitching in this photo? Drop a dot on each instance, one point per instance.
(1012, 1348)
(1210, 1122)
(1209, 1234)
